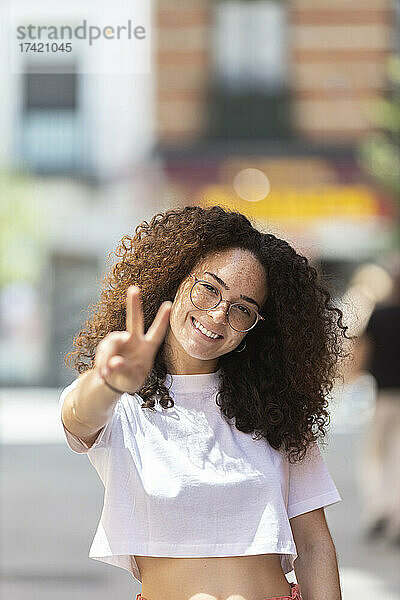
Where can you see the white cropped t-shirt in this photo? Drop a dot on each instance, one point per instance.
(183, 482)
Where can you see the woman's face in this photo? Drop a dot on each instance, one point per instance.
(187, 351)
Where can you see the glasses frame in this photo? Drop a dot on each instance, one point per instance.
(259, 317)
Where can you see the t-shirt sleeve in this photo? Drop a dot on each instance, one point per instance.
(310, 484)
(74, 442)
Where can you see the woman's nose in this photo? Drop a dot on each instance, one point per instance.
(220, 313)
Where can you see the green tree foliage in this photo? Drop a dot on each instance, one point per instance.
(22, 229)
(379, 152)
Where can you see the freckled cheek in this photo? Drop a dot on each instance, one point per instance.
(179, 312)
(233, 341)
(175, 319)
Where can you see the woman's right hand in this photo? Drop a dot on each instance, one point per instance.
(125, 358)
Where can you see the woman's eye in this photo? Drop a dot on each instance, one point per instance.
(210, 287)
(246, 310)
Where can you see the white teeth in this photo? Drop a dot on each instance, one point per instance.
(204, 330)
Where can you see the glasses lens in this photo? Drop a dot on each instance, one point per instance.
(242, 317)
(204, 295)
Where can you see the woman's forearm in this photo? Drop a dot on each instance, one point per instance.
(317, 572)
(89, 406)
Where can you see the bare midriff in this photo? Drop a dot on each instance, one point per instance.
(251, 577)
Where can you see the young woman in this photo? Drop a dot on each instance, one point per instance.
(207, 332)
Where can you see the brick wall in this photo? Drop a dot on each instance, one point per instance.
(337, 64)
(181, 67)
(337, 52)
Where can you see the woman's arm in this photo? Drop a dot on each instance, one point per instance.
(316, 566)
(88, 407)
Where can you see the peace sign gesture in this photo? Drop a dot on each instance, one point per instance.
(125, 358)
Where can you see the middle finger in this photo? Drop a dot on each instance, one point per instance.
(134, 311)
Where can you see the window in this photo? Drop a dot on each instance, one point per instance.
(50, 91)
(51, 128)
(249, 96)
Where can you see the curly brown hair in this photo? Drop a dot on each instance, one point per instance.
(277, 386)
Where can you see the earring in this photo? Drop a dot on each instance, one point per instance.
(241, 350)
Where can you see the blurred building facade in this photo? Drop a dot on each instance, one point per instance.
(284, 88)
(281, 87)
(323, 58)
(74, 161)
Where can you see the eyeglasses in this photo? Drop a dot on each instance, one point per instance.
(206, 296)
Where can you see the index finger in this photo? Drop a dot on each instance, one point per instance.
(134, 311)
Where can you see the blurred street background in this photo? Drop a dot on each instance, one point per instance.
(286, 111)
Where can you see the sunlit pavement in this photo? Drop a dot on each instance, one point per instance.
(51, 500)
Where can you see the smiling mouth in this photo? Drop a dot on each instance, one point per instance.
(195, 323)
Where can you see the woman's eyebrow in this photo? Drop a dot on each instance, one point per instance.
(219, 280)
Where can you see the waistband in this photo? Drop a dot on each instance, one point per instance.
(295, 594)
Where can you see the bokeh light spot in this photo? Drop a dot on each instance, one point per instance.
(251, 184)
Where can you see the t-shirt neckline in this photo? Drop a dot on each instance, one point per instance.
(192, 383)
